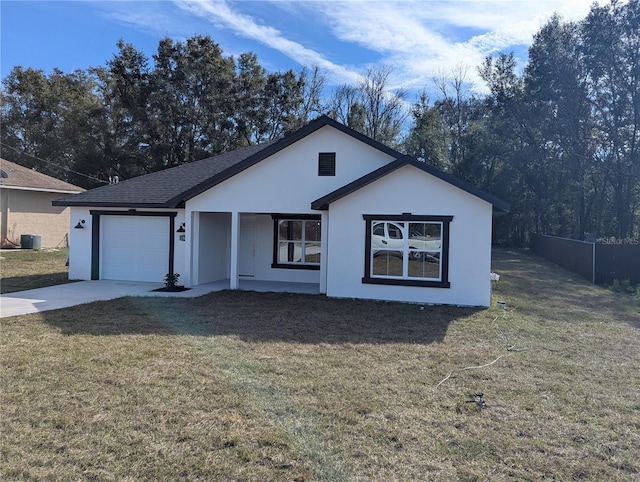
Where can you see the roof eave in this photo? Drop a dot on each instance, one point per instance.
(40, 189)
(322, 204)
(501, 211)
(88, 204)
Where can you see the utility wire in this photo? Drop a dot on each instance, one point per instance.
(67, 169)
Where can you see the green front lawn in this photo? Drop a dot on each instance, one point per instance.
(26, 269)
(268, 386)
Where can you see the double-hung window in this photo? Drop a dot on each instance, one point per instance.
(407, 250)
(296, 241)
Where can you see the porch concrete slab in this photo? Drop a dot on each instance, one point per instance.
(279, 286)
(81, 292)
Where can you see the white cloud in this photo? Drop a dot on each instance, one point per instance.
(149, 17)
(221, 14)
(418, 39)
(422, 38)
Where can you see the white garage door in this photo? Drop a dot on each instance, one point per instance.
(134, 248)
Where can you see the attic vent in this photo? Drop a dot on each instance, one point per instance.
(3, 174)
(327, 164)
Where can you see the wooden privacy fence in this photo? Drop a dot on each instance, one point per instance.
(599, 263)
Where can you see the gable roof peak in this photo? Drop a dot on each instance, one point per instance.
(325, 120)
(171, 188)
(322, 204)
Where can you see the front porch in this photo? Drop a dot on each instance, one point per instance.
(231, 250)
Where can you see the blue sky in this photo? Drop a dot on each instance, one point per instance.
(417, 39)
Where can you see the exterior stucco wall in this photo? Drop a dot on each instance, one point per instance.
(213, 262)
(180, 247)
(410, 190)
(288, 181)
(4, 216)
(31, 212)
(80, 245)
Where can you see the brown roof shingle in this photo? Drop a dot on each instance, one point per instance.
(16, 176)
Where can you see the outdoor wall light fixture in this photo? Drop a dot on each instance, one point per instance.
(181, 228)
(80, 224)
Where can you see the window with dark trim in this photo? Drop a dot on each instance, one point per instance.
(296, 241)
(407, 249)
(327, 164)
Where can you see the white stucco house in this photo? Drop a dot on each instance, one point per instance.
(324, 206)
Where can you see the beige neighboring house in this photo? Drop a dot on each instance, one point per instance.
(25, 206)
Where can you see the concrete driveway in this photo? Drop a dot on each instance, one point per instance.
(81, 292)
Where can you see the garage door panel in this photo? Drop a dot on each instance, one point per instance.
(134, 248)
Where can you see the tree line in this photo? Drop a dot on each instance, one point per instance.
(560, 140)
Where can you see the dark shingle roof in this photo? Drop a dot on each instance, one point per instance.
(163, 188)
(14, 175)
(323, 202)
(172, 187)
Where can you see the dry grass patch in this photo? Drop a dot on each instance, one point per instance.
(26, 269)
(267, 386)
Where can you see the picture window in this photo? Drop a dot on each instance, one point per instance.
(407, 250)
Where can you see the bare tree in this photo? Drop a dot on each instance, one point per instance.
(372, 107)
(345, 99)
(384, 109)
(314, 83)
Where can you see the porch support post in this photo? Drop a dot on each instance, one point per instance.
(324, 249)
(235, 238)
(192, 248)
